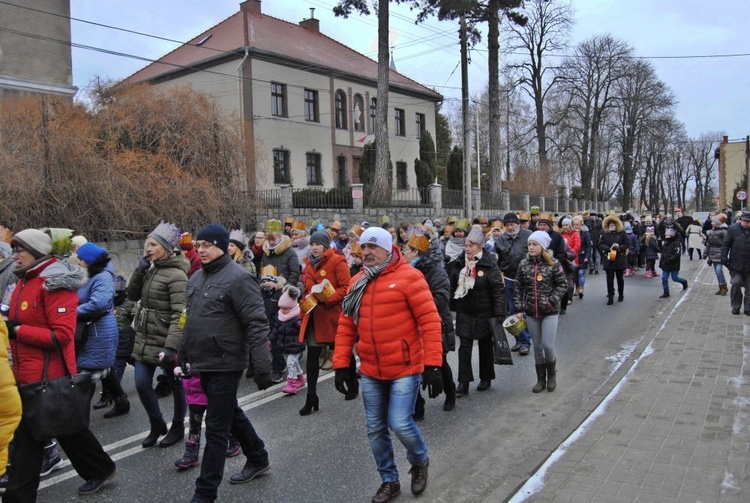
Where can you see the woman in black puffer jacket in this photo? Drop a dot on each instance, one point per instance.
(428, 258)
(714, 241)
(478, 297)
(613, 243)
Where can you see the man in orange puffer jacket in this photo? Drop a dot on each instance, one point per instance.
(390, 313)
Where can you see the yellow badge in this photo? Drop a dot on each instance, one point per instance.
(323, 272)
(24, 305)
(539, 277)
(183, 319)
(480, 273)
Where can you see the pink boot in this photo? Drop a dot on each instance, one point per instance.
(291, 387)
(647, 274)
(300, 381)
(628, 272)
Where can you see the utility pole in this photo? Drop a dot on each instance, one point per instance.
(465, 118)
(479, 168)
(747, 164)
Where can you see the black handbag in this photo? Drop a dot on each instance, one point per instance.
(501, 347)
(56, 407)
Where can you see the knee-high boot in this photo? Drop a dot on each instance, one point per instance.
(551, 376)
(541, 378)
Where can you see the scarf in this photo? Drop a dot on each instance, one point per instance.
(455, 247)
(467, 276)
(289, 315)
(314, 261)
(353, 299)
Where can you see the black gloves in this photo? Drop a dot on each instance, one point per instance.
(432, 380)
(344, 381)
(11, 325)
(143, 264)
(168, 361)
(263, 381)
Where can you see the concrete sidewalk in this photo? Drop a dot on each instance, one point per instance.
(676, 428)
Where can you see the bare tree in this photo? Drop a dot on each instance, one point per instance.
(547, 30)
(700, 152)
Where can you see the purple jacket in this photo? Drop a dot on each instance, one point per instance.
(194, 394)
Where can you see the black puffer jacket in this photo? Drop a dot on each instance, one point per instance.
(671, 249)
(225, 319)
(714, 241)
(486, 300)
(607, 239)
(285, 336)
(431, 265)
(735, 252)
(510, 251)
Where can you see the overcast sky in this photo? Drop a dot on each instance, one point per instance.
(712, 91)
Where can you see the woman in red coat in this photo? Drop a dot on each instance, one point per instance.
(44, 302)
(319, 324)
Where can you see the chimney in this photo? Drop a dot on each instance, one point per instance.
(725, 139)
(251, 6)
(312, 23)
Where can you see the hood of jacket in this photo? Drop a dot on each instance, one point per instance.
(433, 258)
(284, 245)
(62, 276)
(178, 260)
(610, 219)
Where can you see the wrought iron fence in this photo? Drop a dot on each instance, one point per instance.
(267, 198)
(517, 202)
(453, 198)
(340, 197)
(491, 203)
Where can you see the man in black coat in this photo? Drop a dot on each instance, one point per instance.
(225, 321)
(684, 221)
(735, 255)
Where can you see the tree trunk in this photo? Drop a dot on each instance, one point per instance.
(381, 190)
(493, 40)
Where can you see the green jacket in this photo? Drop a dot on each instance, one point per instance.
(160, 294)
(539, 287)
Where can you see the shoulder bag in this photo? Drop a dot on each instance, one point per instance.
(56, 407)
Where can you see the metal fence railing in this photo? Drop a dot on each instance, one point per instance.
(452, 198)
(267, 198)
(516, 202)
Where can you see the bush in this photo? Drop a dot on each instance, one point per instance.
(339, 197)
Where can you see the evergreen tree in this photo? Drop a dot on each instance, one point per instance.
(456, 169)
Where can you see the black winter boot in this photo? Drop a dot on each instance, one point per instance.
(158, 428)
(105, 400)
(176, 433)
(450, 395)
(541, 378)
(122, 407)
(551, 376)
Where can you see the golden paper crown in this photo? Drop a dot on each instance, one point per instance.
(336, 225)
(524, 216)
(268, 270)
(186, 238)
(497, 224)
(462, 224)
(289, 220)
(273, 225)
(356, 249)
(418, 240)
(6, 235)
(299, 225)
(356, 229)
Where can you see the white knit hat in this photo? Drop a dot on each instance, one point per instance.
(542, 238)
(377, 236)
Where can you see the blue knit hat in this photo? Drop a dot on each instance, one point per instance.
(215, 233)
(90, 252)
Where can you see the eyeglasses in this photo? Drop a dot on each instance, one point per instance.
(203, 246)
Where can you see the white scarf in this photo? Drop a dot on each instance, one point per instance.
(467, 276)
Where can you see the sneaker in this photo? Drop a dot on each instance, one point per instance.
(93, 485)
(52, 462)
(664, 295)
(517, 347)
(523, 351)
(3, 483)
(233, 447)
(276, 377)
(386, 492)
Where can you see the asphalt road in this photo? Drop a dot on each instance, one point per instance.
(482, 451)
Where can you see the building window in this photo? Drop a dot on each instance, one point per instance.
(401, 181)
(311, 106)
(420, 125)
(359, 113)
(314, 176)
(373, 109)
(340, 110)
(400, 123)
(341, 162)
(281, 172)
(278, 99)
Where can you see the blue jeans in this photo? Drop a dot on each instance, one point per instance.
(390, 404)
(223, 415)
(144, 384)
(581, 278)
(523, 338)
(719, 270)
(675, 277)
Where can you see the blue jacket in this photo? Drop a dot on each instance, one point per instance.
(95, 298)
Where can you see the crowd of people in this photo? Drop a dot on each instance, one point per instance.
(200, 311)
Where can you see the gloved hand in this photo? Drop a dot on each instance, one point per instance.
(343, 381)
(615, 246)
(432, 380)
(143, 264)
(177, 371)
(263, 381)
(11, 324)
(709, 261)
(168, 358)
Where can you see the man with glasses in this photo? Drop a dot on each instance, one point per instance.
(511, 247)
(225, 320)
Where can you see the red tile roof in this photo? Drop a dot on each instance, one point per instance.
(270, 36)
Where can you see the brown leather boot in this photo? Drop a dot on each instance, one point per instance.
(723, 290)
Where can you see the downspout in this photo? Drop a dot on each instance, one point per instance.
(240, 83)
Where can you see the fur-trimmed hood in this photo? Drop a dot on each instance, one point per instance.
(609, 219)
(284, 245)
(62, 276)
(433, 258)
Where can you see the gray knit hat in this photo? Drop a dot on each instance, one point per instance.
(34, 241)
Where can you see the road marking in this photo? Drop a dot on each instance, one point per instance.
(246, 403)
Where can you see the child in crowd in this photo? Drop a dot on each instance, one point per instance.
(634, 249)
(285, 337)
(671, 249)
(651, 246)
(356, 259)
